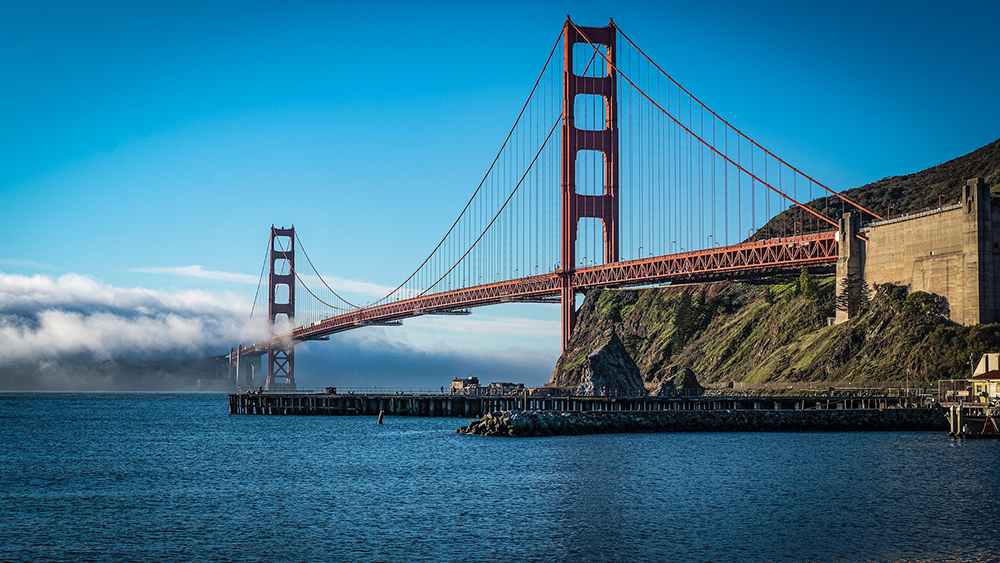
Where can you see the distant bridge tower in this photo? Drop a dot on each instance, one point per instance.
(281, 307)
(576, 206)
(244, 368)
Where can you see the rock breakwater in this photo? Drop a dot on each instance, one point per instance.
(548, 423)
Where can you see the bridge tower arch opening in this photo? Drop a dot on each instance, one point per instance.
(602, 205)
(281, 309)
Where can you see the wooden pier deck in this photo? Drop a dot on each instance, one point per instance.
(474, 406)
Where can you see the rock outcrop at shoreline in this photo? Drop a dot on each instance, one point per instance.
(601, 365)
(547, 423)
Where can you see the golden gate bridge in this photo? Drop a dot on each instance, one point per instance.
(644, 184)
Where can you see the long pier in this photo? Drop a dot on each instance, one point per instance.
(474, 406)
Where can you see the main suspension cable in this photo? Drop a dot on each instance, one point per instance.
(481, 235)
(692, 134)
(485, 176)
(306, 287)
(260, 281)
(740, 133)
(304, 253)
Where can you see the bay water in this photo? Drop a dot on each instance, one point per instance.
(174, 477)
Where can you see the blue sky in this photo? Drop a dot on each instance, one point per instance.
(146, 142)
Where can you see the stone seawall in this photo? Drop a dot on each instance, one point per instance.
(538, 423)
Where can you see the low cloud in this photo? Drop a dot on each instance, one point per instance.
(45, 319)
(54, 333)
(75, 333)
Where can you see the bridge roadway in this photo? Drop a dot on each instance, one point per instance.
(739, 261)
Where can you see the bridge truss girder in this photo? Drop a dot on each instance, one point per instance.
(741, 261)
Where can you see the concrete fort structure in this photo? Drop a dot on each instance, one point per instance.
(952, 251)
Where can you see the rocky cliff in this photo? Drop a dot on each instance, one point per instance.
(600, 363)
(773, 333)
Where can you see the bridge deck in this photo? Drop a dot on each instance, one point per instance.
(738, 261)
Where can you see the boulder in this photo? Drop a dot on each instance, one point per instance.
(608, 370)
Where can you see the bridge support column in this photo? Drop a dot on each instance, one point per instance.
(576, 206)
(281, 307)
(568, 297)
(851, 260)
(980, 293)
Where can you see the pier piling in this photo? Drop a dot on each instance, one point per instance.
(474, 406)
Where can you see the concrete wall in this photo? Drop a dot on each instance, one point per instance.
(951, 251)
(988, 362)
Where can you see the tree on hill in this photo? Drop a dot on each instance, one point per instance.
(683, 320)
(852, 295)
(807, 285)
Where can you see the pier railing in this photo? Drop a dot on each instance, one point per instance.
(915, 395)
(456, 405)
(349, 390)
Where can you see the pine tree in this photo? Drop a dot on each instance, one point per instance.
(683, 320)
(807, 285)
(853, 295)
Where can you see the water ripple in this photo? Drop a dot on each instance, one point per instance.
(146, 477)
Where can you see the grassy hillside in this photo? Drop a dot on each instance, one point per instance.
(777, 332)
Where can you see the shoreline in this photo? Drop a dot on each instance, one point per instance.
(543, 423)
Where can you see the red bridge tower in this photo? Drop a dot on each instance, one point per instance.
(281, 355)
(576, 206)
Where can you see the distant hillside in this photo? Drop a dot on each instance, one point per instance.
(906, 194)
(180, 373)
